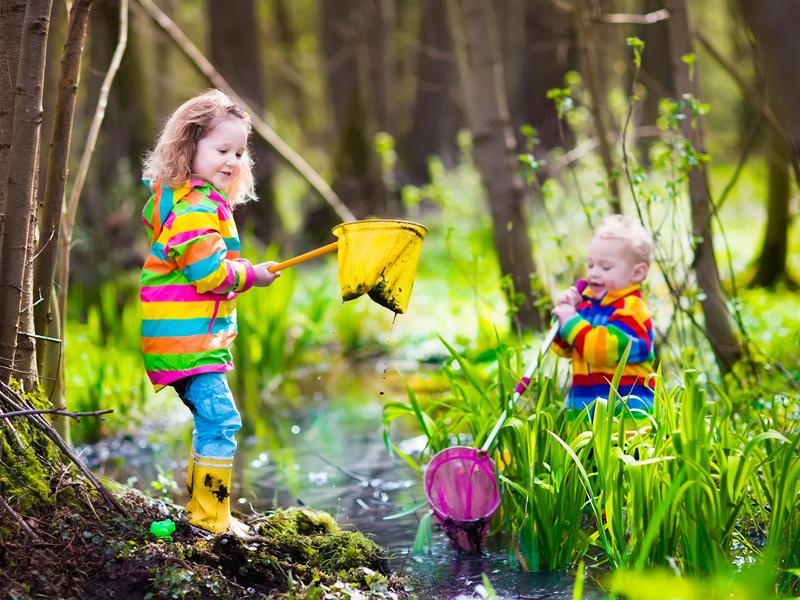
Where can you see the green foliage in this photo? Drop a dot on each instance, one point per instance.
(689, 486)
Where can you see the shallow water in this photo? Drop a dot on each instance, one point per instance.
(332, 457)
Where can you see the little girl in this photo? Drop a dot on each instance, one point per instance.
(198, 171)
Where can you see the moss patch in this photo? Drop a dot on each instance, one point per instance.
(83, 549)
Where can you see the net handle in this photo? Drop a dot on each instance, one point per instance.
(523, 383)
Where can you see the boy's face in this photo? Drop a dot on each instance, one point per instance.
(611, 265)
(218, 157)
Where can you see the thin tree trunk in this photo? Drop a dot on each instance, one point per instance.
(22, 176)
(548, 53)
(12, 14)
(70, 214)
(436, 115)
(287, 38)
(655, 74)
(481, 72)
(719, 328)
(57, 165)
(772, 262)
(591, 71)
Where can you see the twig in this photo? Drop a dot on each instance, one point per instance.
(632, 19)
(55, 411)
(18, 518)
(269, 135)
(43, 425)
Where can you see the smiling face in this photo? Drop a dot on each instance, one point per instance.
(218, 157)
(611, 265)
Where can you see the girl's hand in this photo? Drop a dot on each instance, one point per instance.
(570, 297)
(564, 312)
(263, 275)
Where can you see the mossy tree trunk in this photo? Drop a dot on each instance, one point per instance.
(480, 68)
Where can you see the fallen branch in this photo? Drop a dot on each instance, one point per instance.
(269, 135)
(12, 398)
(16, 516)
(55, 411)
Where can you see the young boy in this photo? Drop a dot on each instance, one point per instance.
(595, 327)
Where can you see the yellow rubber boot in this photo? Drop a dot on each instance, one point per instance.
(210, 487)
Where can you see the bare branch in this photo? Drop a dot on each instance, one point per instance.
(630, 19)
(54, 411)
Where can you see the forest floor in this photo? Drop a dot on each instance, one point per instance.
(81, 548)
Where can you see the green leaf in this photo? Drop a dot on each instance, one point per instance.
(423, 538)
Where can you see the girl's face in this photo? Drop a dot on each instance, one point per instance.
(218, 157)
(611, 265)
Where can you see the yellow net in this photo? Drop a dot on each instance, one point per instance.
(379, 257)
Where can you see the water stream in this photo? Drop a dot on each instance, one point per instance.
(331, 456)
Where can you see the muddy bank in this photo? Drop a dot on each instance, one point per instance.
(79, 548)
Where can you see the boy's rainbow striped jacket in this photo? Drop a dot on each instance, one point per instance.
(189, 282)
(596, 338)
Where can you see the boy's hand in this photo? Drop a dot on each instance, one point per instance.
(263, 276)
(564, 312)
(570, 297)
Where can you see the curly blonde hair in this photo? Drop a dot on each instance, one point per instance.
(620, 227)
(170, 161)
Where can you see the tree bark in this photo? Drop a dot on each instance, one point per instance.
(57, 166)
(774, 25)
(655, 74)
(436, 115)
(548, 52)
(771, 267)
(356, 171)
(12, 15)
(236, 54)
(594, 84)
(22, 175)
(287, 38)
(481, 73)
(719, 329)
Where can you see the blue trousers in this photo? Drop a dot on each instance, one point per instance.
(216, 419)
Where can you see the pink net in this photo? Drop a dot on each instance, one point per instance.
(462, 490)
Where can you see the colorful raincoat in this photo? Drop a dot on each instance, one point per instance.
(596, 338)
(189, 282)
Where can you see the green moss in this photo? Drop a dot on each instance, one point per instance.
(27, 459)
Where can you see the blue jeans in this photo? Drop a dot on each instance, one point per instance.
(216, 419)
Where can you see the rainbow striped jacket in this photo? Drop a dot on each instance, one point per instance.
(596, 338)
(189, 282)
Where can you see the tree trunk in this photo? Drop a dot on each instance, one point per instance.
(356, 172)
(719, 328)
(12, 14)
(57, 166)
(22, 176)
(774, 25)
(437, 115)
(236, 54)
(772, 262)
(481, 72)
(594, 84)
(287, 38)
(655, 74)
(547, 54)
